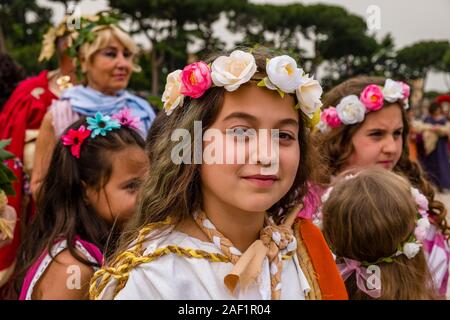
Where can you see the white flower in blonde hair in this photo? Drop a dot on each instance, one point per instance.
(172, 96)
(284, 73)
(233, 71)
(308, 94)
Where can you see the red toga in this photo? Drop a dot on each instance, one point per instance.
(24, 110)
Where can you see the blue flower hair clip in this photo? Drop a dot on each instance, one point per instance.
(101, 124)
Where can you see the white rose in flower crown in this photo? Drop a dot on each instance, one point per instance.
(392, 90)
(172, 96)
(351, 110)
(308, 94)
(422, 227)
(411, 249)
(423, 223)
(283, 73)
(232, 71)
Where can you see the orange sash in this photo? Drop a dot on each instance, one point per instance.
(330, 282)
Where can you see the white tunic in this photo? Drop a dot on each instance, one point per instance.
(174, 277)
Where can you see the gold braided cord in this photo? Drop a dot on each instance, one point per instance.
(128, 260)
(266, 236)
(131, 259)
(124, 257)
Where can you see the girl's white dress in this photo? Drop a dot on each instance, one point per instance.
(178, 277)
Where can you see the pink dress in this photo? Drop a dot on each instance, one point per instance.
(437, 253)
(88, 250)
(312, 204)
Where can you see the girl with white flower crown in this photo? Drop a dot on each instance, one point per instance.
(364, 123)
(227, 231)
(376, 224)
(88, 194)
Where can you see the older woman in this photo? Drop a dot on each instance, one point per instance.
(106, 64)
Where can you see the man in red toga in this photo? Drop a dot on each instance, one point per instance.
(20, 119)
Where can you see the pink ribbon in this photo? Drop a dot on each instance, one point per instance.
(362, 276)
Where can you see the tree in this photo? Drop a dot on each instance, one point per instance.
(446, 67)
(170, 26)
(417, 60)
(22, 24)
(332, 32)
(381, 62)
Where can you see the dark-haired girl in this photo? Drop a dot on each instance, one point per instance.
(89, 192)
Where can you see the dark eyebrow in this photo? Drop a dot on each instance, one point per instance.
(250, 118)
(129, 181)
(111, 47)
(398, 128)
(241, 115)
(288, 121)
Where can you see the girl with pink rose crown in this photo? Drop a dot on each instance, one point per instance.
(364, 124)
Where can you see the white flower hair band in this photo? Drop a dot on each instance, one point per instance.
(352, 109)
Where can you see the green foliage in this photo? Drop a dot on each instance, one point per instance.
(22, 24)
(156, 102)
(416, 60)
(171, 27)
(446, 62)
(6, 175)
(339, 40)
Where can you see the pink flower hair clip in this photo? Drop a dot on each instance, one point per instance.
(126, 119)
(75, 138)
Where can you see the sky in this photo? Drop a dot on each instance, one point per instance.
(408, 21)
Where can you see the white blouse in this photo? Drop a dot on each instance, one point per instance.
(172, 277)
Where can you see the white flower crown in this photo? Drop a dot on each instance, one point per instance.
(236, 69)
(352, 109)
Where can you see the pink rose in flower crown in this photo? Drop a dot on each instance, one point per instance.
(420, 199)
(372, 97)
(195, 79)
(406, 90)
(330, 117)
